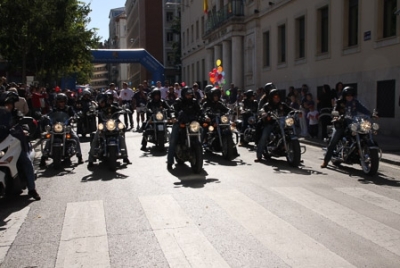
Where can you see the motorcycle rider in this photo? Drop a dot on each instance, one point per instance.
(346, 106)
(61, 106)
(250, 106)
(155, 103)
(106, 107)
(265, 97)
(274, 104)
(9, 118)
(186, 108)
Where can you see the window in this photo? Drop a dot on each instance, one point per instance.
(300, 37)
(170, 37)
(282, 44)
(187, 36)
(266, 50)
(352, 27)
(170, 16)
(385, 98)
(389, 18)
(192, 33)
(323, 30)
(197, 30)
(183, 38)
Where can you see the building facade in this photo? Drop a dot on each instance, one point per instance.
(99, 79)
(295, 42)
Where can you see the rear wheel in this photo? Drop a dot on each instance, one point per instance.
(112, 158)
(293, 153)
(197, 161)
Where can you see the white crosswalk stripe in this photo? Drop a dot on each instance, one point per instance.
(367, 228)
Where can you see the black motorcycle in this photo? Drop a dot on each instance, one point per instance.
(189, 147)
(357, 145)
(283, 140)
(249, 133)
(221, 136)
(58, 136)
(156, 129)
(86, 122)
(110, 133)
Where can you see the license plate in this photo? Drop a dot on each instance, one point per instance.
(160, 127)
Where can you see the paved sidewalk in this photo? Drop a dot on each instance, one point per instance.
(390, 147)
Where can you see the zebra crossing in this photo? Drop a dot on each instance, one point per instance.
(84, 239)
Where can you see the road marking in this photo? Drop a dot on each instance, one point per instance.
(290, 244)
(373, 198)
(84, 241)
(365, 227)
(183, 244)
(13, 224)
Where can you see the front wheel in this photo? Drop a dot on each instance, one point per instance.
(293, 153)
(112, 158)
(197, 161)
(57, 155)
(370, 164)
(161, 141)
(227, 148)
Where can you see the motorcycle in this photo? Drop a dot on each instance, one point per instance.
(248, 134)
(283, 140)
(357, 144)
(156, 130)
(11, 181)
(110, 132)
(189, 147)
(220, 135)
(58, 137)
(86, 122)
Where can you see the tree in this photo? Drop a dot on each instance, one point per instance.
(48, 38)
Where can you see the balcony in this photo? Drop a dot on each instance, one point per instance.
(215, 19)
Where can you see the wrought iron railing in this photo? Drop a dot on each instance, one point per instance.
(235, 8)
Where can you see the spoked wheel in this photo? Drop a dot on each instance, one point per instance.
(197, 161)
(293, 154)
(370, 164)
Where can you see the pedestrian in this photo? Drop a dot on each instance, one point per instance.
(126, 96)
(312, 117)
(139, 103)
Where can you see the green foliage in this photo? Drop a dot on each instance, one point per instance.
(48, 38)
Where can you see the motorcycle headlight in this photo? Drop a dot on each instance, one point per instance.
(251, 120)
(121, 126)
(365, 126)
(375, 126)
(110, 125)
(48, 128)
(100, 127)
(224, 119)
(58, 127)
(2, 153)
(210, 128)
(289, 121)
(354, 127)
(194, 126)
(159, 116)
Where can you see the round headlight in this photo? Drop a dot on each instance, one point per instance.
(58, 128)
(110, 125)
(365, 126)
(48, 128)
(2, 153)
(353, 127)
(194, 126)
(100, 126)
(159, 116)
(224, 119)
(121, 126)
(375, 126)
(289, 121)
(210, 128)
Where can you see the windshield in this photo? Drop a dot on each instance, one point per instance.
(58, 116)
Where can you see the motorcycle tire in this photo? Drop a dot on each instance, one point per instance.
(112, 158)
(161, 141)
(373, 166)
(197, 163)
(293, 155)
(57, 157)
(227, 148)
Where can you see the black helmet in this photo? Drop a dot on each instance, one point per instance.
(272, 93)
(207, 91)
(348, 91)
(110, 95)
(8, 97)
(102, 97)
(249, 93)
(61, 97)
(216, 91)
(268, 87)
(186, 90)
(86, 92)
(154, 92)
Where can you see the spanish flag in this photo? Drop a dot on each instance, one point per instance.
(205, 6)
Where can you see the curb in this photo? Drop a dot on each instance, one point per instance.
(321, 145)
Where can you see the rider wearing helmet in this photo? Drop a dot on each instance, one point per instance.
(264, 98)
(349, 106)
(186, 108)
(274, 104)
(61, 106)
(153, 105)
(250, 106)
(207, 93)
(9, 119)
(214, 103)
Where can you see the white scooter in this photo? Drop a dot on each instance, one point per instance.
(11, 182)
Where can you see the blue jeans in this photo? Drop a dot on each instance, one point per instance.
(336, 136)
(25, 164)
(266, 132)
(173, 140)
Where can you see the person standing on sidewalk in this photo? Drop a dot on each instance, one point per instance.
(126, 96)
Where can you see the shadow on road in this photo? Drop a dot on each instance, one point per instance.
(102, 173)
(217, 159)
(281, 166)
(189, 179)
(49, 171)
(11, 204)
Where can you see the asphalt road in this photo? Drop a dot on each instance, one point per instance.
(233, 214)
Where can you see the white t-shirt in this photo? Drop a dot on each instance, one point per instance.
(164, 92)
(126, 94)
(313, 117)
